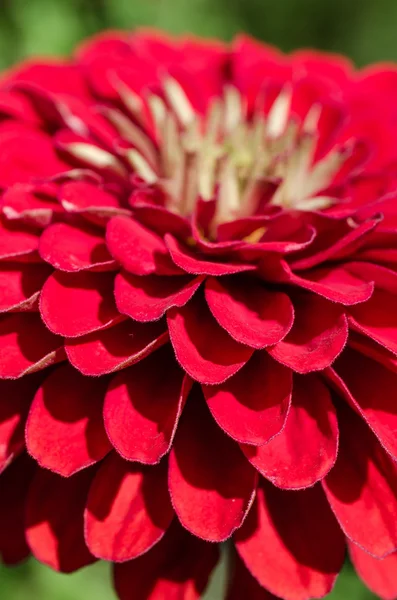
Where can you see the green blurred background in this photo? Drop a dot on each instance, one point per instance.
(365, 30)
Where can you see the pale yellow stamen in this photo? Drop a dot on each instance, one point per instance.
(97, 157)
(179, 101)
(141, 166)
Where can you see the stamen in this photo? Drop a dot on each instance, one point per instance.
(277, 118)
(179, 101)
(141, 166)
(97, 157)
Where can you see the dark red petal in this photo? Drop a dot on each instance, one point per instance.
(143, 405)
(65, 431)
(318, 335)
(193, 263)
(368, 387)
(205, 351)
(177, 568)
(14, 485)
(244, 585)
(252, 406)
(148, 298)
(138, 250)
(73, 304)
(249, 312)
(378, 575)
(128, 509)
(115, 348)
(15, 400)
(26, 345)
(291, 543)
(54, 520)
(362, 487)
(212, 485)
(20, 285)
(69, 248)
(377, 319)
(306, 449)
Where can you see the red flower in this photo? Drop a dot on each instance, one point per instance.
(198, 280)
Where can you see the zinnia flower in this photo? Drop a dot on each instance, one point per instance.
(199, 332)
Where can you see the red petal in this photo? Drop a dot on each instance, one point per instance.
(377, 319)
(306, 449)
(252, 406)
(82, 197)
(20, 285)
(26, 345)
(249, 312)
(378, 575)
(16, 397)
(73, 304)
(14, 485)
(362, 488)
(193, 263)
(143, 405)
(115, 348)
(139, 250)
(54, 520)
(369, 388)
(177, 568)
(65, 431)
(291, 543)
(148, 298)
(318, 335)
(128, 509)
(17, 243)
(212, 485)
(69, 248)
(244, 585)
(205, 351)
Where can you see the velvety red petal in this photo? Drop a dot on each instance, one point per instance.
(378, 575)
(143, 405)
(244, 585)
(368, 387)
(138, 250)
(115, 348)
(377, 319)
(73, 304)
(318, 335)
(17, 243)
(253, 405)
(212, 485)
(65, 431)
(20, 285)
(148, 298)
(249, 312)
(306, 449)
(69, 248)
(362, 488)
(177, 568)
(193, 263)
(14, 485)
(54, 520)
(204, 350)
(26, 345)
(291, 543)
(128, 509)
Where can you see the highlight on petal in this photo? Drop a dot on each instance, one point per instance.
(379, 575)
(252, 406)
(249, 312)
(148, 298)
(204, 350)
(306, 448)
(72, 249)
(317, 337)
(115, 348)
(178, 566)
(18, 355)
(362, 488)
(128, 509)
(212, 485)
(54, 520)
(291, 543)
(74, 304)
(138, 250)
(143, 405)
(65, 431)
